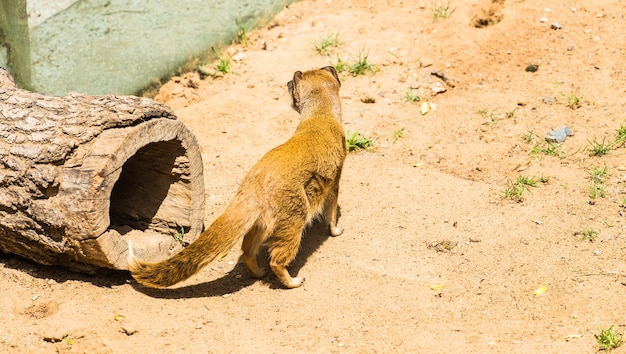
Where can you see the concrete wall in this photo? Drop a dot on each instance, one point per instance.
(116, 46)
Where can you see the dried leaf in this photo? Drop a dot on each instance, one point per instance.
(436, 287)
(541, 290)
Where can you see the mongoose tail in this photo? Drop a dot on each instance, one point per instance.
(215, 241)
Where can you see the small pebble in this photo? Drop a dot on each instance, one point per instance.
(570, 48)
(543, 19)
(267, 46)
(239, 57)
(438, 88)
(556, 26)
(129, 329)
(549, 100)
(426, 62)
(531, 68)
(55, 335)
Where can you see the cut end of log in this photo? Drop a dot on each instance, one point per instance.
(152, 175)
(81, 175)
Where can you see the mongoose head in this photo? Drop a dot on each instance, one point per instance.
(300, 88)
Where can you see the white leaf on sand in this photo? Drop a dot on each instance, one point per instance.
(572, 336)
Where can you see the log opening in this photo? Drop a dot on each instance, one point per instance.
(144, 187)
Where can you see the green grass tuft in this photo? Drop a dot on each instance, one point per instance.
(608, 339)
(324, 45)
(356, 141)
(515, 190)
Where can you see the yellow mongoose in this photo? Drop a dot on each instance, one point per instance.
(287, 189)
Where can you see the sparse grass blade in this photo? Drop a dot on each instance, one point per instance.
(222, 67)
(411, 96)
(588, 235)
(620, 137)
(441, 11)
(529, 136)
(362, 65)
(549, 149)
(242, 35)
(341, 65)
(597, 174)
(573, 101)
(398, 134)
(599, 148)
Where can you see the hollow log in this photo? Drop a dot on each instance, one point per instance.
(81, 175)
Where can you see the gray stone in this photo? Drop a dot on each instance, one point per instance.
(549, 100)
(559, 135)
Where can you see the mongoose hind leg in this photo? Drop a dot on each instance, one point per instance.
(283, 249)
(251, 245)
(330, 212)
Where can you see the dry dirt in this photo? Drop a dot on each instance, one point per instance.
(433, 258)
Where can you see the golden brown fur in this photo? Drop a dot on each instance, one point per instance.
(288, 188)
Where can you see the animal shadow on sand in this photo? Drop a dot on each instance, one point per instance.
(239, 278)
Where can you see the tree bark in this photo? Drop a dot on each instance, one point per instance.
(81, 175)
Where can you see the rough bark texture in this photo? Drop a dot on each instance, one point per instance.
(80, 175)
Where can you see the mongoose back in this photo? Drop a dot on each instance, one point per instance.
(286, 190)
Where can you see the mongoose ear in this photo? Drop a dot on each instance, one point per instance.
(333, 71)
(294, 89)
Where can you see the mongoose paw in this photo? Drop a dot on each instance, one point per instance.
(335, 231)
(294, 282)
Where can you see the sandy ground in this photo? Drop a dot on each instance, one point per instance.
(434, 258)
